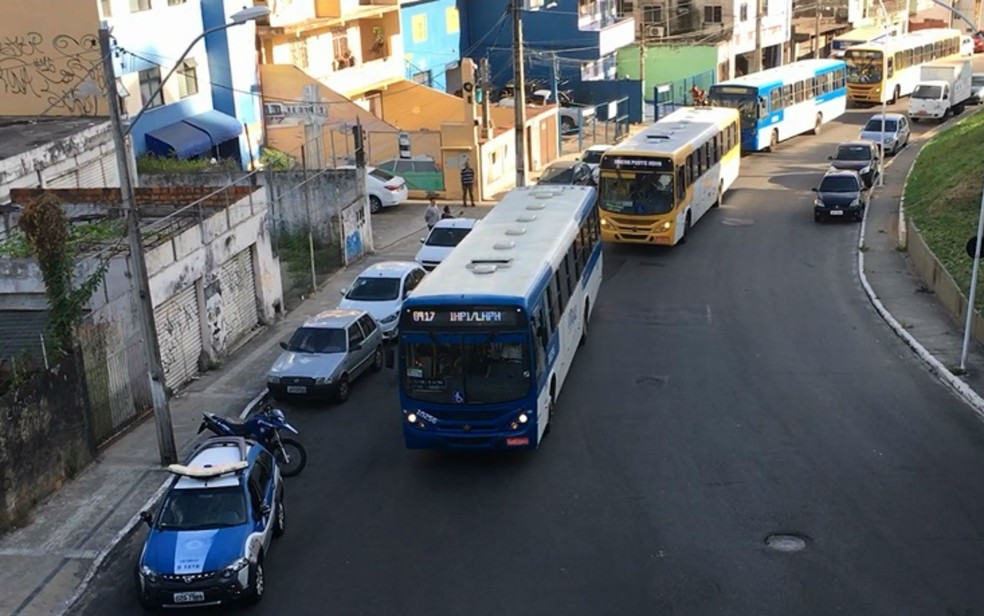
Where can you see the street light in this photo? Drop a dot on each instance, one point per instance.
(148, 328)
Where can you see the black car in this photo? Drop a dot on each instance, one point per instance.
(841, 194)
(567, 173)
(860, 156)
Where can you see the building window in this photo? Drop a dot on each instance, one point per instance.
(743, 12)
(712, 14)
(188, 78)
(652, 14)
(452, 20)
(586, 8)
(423, 78)
(342, 53)
(139, 5)
(419, 26)
(106, 6)
(176, 2)
(150, 81)
(626, 8)
(299, 53)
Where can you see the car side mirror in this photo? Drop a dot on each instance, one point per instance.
(830, 158)
(265, 509)
(423, 239)
(390, 358)
(356, 346)
(814, 189)
(343, 291)
(147, 518)
(283, 344)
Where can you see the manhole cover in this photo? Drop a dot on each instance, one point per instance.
(785, 542)
(737, 222)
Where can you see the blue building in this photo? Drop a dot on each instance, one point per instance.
(431, 40)
(207, 108)
(578, 37)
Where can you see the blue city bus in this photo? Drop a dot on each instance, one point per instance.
(782, 102)
(487, 339)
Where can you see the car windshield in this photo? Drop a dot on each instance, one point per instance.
(446, 236)
(374, 289)
(924, 91)
(874, 125)
(592, 157)
(454, 371)
(645, 193)
(977, 82)
(557, 175)
(838, 184)
(383, 176)
(318, 340)
(853, 152)
(203, 508)
(863, 66)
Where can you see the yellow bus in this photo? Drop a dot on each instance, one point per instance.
(860, 36)
(657, 184)
(883, 71)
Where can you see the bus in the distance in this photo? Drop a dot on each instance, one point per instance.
(782, 102)
(884, 71)
(860, 36)
(655, 185)
(488, 338)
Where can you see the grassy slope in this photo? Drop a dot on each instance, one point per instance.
(944, 193)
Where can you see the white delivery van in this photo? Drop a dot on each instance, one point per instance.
(943, 90)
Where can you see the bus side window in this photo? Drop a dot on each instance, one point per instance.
(553, 309)
(681, 182)
(570, 276)
(814, 89)
(891, 67)
(775, 97)
(542, 335)
(690, 170)
(787, 96)
(594, 229)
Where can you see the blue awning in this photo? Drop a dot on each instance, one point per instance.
(219, 126)
(178, 139)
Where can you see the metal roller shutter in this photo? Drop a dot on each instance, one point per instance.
(180, 334)
(238, 296)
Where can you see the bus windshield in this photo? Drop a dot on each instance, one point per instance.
(643, 193)
(470, 369)
(863, 66)
(745, 100)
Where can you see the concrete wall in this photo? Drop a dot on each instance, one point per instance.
(327, 193)
(86, 158)
(44, 439)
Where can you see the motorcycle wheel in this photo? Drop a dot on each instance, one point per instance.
(298, 458)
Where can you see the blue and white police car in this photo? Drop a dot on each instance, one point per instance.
(208, 539)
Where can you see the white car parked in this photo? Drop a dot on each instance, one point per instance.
(384, 188)
(380, 290)
(442, 239)
(592, 158)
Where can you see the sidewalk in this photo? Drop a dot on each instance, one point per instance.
(44, 566)
(900, 296)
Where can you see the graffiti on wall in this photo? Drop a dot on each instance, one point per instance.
(214, 314)
(63, 73)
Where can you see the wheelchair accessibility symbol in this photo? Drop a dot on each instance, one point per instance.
(459, 397)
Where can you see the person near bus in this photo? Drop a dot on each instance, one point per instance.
(467, 185)
(432, 214)
(446, 213)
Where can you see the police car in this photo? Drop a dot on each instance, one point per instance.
(208, 539)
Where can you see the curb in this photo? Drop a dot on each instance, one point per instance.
(132, 525)
(935, 366)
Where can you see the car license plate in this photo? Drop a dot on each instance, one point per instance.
(189, 597)
(836, 213)
(296, 389)
(517, 441)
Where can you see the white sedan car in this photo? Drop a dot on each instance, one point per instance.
(442, 239)
(384, 188)
(380, 290)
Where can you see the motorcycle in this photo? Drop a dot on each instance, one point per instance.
(263, 427)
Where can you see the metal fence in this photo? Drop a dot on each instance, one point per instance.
(608, 123)
(672, 94)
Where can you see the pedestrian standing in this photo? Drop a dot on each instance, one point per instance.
(446, 213)
(468, 184)
(432, 214)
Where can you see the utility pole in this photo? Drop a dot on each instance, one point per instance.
(556, 97)
(519, 94)
(757, 59)
(148, 328)
(816, 30)
(485, 78)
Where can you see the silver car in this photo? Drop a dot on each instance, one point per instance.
(896, 131)
(976, 89)
(326, 354)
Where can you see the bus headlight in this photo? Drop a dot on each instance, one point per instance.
(523, 418)
(667, 225)
(604, 223)
(412, 418)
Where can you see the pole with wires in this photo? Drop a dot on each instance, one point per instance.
(556, 98)
(519, 95)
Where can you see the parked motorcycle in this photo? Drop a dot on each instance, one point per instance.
(263, 427)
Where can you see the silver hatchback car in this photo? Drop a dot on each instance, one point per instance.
(896, 131)
(326, 354)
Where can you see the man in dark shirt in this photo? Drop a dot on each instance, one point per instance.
(468, 184)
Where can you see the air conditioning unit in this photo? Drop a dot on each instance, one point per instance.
(655, 32)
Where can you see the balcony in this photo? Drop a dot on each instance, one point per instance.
(353, 9)
(361, 78)
(614, 36)
(304, 15)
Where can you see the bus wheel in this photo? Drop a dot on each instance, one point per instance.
(774, 141)
(584, 329)
(720, 195)
(817, 127)
(550, 408)
(896, 93)
(686, 226)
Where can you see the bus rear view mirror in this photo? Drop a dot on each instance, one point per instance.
(390, 358)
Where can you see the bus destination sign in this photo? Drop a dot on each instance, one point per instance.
(636, 163)
(477, 318)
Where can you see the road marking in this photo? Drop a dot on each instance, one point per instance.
(42, 553)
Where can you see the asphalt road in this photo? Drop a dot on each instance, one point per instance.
(734, 387)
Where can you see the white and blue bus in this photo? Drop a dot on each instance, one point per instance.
(782, 102)
(487, 340)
